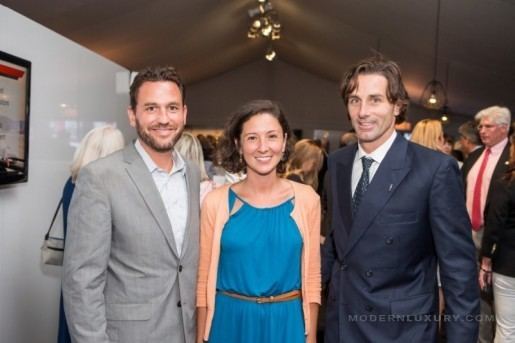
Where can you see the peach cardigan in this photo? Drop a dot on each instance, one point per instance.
(214, 215)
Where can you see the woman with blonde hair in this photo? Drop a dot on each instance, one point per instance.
(98, 143)
(429, 133)
(190, 148)
(305, 163)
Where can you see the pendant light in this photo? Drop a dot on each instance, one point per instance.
(434, 95)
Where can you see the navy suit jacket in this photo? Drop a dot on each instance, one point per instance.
(381, 265)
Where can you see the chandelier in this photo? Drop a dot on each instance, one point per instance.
(264, 23)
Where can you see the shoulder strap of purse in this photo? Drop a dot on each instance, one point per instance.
(53, 218)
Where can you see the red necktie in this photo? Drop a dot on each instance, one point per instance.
(476, 200)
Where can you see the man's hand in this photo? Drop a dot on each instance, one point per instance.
(485, 273)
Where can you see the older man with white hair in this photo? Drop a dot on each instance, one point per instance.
(479, 170)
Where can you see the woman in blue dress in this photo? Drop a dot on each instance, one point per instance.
(259, 269)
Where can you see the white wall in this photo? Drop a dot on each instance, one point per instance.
(62, 73)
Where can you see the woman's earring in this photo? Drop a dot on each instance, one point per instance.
(241, 158)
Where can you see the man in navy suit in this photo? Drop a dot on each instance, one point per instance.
(398, 212)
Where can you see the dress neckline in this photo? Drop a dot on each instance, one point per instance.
(246, 202)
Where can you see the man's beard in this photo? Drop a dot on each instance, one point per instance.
(152, 143)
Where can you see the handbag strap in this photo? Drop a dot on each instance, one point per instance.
(53, 218)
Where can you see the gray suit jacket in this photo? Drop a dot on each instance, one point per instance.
(123, 279)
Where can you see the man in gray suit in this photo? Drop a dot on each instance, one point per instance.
(131, 252)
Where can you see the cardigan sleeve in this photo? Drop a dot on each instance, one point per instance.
(207, 222)
(314, 279)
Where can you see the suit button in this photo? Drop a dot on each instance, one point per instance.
(344, 266)
(180, 268)
(369, 308)
(389, 241)
(369, 273)
(179, 304)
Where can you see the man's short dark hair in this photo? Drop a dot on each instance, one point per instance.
(395, 92)
(155, 74)
(469, 131)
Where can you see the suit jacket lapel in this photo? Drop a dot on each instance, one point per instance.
(143, 181)
(502, 164)
(392, 170)
(191, 205)
(469, 163)
(500, 168)
(343, 177)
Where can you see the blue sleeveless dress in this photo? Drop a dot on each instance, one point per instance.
(260, 256)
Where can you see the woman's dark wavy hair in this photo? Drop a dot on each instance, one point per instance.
(228, 150)
(395, 91)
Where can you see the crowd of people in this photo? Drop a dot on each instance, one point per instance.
(187, 238)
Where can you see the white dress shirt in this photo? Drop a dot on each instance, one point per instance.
(172, 189)
(377, 155)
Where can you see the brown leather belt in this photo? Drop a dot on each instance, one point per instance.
(295, 294)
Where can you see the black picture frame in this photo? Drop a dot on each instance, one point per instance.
(15, 75)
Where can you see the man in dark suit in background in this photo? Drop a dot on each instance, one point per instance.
(469, 138)
(398, 211)
(480, 170)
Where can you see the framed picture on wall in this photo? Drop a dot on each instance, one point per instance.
(14, 118)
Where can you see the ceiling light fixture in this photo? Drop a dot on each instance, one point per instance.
(270, 54)
(434, 96)
(265, 24)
